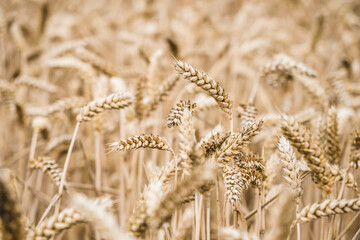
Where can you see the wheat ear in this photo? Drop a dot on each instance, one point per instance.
(53, 225)
(213, 140)
(35, 83)
(49, 166)
(332, 137)
(235, 184)
(204, 81)
(162, 92)
(304, 143)
(96, 61)
(114, 101)
(96, 212)
(141, 141)
(247, 112)
(290, 166)
(58, 106)
(327, 208)
(176, 113)
(237, 141)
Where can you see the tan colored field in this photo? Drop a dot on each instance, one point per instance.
(182, 119)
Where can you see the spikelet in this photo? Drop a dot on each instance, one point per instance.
(327, 208)
(282, 69)
(247, 112)
(237, 141)
(114, 101)
(204, 81)
(141, 141)
(96, 61)
(202, 176)
(96, 211)
(10, 212)
(32, 82)
(49, 166)
(355, 150)
(176, 113)
(185, 224)
(302, 140)
(213, 140)
(290, 166)
(332, 137)
(235, 183)
(53, 225)
(58, 106)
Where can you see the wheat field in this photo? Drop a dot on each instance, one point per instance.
(160, 119)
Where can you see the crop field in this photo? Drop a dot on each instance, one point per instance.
(179, 120)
